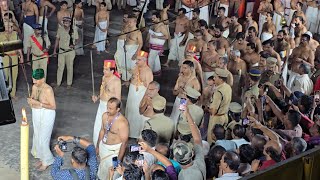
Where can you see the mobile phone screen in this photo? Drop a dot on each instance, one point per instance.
(135, 148)
(245, 121)
(115, 162)
(183, 104)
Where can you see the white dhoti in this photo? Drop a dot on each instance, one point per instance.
(79, 46)
(226, 33)
(135, 120)
(312, 16)
(177, 52)
(206, 75)
(97, 123)
(107, 152)
(130, 51)
(45, 23)
(132, 2)
(175, 113)
(120, 57)
(43, 121)
(156, 47)
(277, 21)
(266, 36)
(226, 8)
(249, 7)
(99, 36)
(27, 32)
(291, 12)
(292, 76)
(262, 20)
(204, 13)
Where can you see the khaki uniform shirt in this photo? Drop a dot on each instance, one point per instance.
(253, 91)
(64, 38)
(34, 48)
(162, 125)
(196, 113)
(221, 99)
(12, 37)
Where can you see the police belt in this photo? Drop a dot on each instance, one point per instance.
(220, 114)
(39, 55)
(66, 49)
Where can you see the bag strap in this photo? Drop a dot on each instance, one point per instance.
(220, 102)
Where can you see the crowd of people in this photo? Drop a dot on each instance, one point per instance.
(247, 91)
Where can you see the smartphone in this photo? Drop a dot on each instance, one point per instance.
(115, 162)
(183, 104)
(245, 121)
(135, 148)
(140, 160)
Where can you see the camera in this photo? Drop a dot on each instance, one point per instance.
(63, 145)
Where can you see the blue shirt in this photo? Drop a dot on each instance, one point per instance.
(175, 164)
(64, 174)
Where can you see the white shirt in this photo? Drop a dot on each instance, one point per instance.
(229, 176)
(303, 84)
(239, 142)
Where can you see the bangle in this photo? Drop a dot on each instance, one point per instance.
(76, 139)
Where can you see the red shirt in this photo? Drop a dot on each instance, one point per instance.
(266, 164)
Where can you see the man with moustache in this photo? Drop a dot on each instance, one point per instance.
(252, 37)
(268, 28)
(199, 43)
(208, 60)
(281, 46)
(249, 22)
(240, 43)
(223, 47)
(264, 8)
(205, 31)
(268, 46)
(145, 107)
(234, 27)
(223, 21)
(251, 57)
(113, 137)
(193, 23)
(299, 29)
(110, 87)
(157, 38)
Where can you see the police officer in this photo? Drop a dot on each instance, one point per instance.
(38, 49)
(6, 36)
(253, 86)
(67, 49)
(220, 101)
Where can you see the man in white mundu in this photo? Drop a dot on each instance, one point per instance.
(119, 56)
(157, 38)
(43, 107)
(189, 5)
(133, 44)
(141, 77)
(102, 20)
(312, 16)
(264, 8)
(113, 137)
(278, 14)
(110, 87)
(43, 12)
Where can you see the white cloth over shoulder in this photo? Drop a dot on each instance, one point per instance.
(27, 32)
(97, 123)
(135, 120)
(43, 121)
(175, 113)
(303, 84)
(120, 57)
(129, 52)
(100, 35)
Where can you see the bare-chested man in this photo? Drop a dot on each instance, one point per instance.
(205, 31)
(145, 106)
(249, 22)
(240, 43)
(278, 14)
(299, 29)
(78, 21)
(292, 10)
(186, 78)
(313, 43)
(113, 137)
(312, 16)
(299, 12)
(141, 78)
(288, 38)
(234, 28)
(110, 87)
(268, 46)
(302, 54)
(208, 60)
(193, 23)
(198, 42)
(281, 46)
(223, 47)
(222, 63)
(181, 36)
(268, 29)
(5, 10)
(64, 12)
(251, 57)
(264, 7)
(102, 26)
(43, 105)
(225, 5)
(30, 16)
(157, 38)
(252, 37)
(133, 44)
(223, 21)
(44, 5)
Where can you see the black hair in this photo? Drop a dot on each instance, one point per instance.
(306, 101)
(282, 31)
(132, 173)
(239, 131)
(246, 153)
(150, 137)
(300, 4)
(270, 13)
(183, 10)
(232, 160)
(193, 100)
(300, 18)
(304, 68)
(219, 131)
(186, 137)
(224, 79)
(241, 35)
(294, 117)
(158, 111)
(252, 28)
(269, 41)
(189, 63)
(306, 36)
(115, 100)
(215, 153)
(198, 31)
(251, 45)
(222, 8)
(103, 3)
(210, 78)
(196, 10)
(273, 154)
(79, 155)
(203, 23)
(265, 54)
(157, 14)
(220, 27)
(159, 175)
(63, 3)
